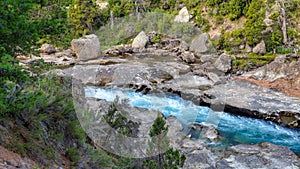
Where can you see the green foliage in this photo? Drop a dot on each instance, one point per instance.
(202, 22)
(252, 61)
(274, 39)
(156, 39)
(99, 157)
(213, 2)
(73, 155)
(81, 15)
(127, 27)
(237, 8)
(16, 27)
(283, 50)
(121, 8)
(254, 24)
(158, 126)
(117, 119)
(77, 131)
(13, 98)
(51, 19)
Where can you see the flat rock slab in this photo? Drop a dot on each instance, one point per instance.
(250, 100)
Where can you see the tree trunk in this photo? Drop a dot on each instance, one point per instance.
(283, 19)
(112, 19)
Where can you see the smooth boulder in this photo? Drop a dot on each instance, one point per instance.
(201, 44)
(86, 48)
(140, 41)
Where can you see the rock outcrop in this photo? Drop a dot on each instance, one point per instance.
(86, 48)
(263, 155)
(250, 100)
(283, 74)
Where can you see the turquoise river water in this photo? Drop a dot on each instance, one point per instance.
(234, 129)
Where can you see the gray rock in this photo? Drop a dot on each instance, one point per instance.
(47, 48)
(184, 46)
(213, 77)
(263, 155)
(183, 16)
(278, 69)
(201, 44)
(140, 41)
(207, 58)
(202, 159)
(205, 130)
(223, 63)
(86, 48)
(260, 48)
(175, 131)
(188, 57)
(250, 100)
(188, 81)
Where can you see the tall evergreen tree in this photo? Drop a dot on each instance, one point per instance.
(171, 159)
(255, 24)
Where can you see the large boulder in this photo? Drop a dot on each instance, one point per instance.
(201, 44)
(86, 48)
(183, 16)
(140, 41)
(260, 48)
(223, 63)
(47, 48)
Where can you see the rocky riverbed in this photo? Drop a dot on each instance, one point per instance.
(199, 154)
(204, 77)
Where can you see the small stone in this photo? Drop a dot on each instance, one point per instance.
(248, 48)
(188, 57)
(260, 48)
(47, 48)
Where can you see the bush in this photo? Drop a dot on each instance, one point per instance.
(73, 155)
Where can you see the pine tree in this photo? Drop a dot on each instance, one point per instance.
(171, 159)
(255, 24)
